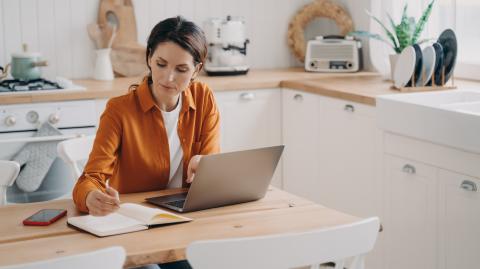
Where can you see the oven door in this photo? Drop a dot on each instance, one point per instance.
(58, 181)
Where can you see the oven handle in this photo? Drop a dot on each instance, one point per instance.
(40, 138)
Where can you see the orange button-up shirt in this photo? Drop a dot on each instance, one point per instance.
(131, 144)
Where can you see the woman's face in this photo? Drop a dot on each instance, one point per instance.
(172, 69)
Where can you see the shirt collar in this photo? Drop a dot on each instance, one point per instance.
(146, 99)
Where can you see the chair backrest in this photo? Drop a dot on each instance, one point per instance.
(75, 150)
(336, 244)
(8, 173)
(107, 258)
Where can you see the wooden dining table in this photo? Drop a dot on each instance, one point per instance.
(277, 212)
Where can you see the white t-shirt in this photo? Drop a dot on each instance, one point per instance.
(170, 120)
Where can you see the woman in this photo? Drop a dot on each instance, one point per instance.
(153, 137)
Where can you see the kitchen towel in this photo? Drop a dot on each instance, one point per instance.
(35, 159)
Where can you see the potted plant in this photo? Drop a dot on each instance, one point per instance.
(401, 35)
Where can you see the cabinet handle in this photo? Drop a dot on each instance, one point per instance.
(247, 96)
(349, 108)
(409, 169)
(298, 97)
(468, 185)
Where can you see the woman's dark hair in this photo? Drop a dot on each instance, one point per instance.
(182, 32)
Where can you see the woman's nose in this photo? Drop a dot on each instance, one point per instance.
(171, 76)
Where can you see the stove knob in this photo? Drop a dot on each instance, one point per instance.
(32, 117)
(10, 121)
(54, 118)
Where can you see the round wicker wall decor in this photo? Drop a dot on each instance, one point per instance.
(314, 10)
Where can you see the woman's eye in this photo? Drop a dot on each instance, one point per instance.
(161, 65)
(183, 70)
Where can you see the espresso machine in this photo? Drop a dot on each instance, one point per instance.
(227, 47)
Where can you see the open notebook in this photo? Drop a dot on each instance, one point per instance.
(129, 218)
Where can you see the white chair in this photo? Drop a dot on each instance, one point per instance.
(107, 258)
(8, 173)
(336, 244)
(73, 151)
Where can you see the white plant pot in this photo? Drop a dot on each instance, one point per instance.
(393, 61)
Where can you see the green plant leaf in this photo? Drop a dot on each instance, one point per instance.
(421, 22)
(389, 34)
(404, 30)
(392, 24)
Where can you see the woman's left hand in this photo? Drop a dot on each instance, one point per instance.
(192, 167)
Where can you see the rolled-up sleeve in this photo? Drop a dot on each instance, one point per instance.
(101, 162)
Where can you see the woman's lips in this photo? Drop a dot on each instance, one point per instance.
(167, 87)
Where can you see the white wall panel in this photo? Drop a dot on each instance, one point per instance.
(29, 23)
(12, 27)
(63, 38)
(57, 28)
(46, 38)
(3, 59)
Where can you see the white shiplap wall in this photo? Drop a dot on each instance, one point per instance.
(57, 28)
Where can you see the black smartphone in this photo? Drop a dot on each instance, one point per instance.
(45, 217)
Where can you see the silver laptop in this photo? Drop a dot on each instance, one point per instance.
(226, 179)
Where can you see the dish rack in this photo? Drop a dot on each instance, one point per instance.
(432, 87)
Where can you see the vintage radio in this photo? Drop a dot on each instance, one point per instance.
(333, 54)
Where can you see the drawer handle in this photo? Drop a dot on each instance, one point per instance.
(247, 96)
(349, 108)
(298, 97)
(468, 185)
(409, 169)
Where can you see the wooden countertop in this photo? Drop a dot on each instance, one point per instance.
(255, 79)
(362, 87)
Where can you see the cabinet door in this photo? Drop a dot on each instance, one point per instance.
(300, 136)
(410, 225)
(347, 158)
(250, 119)
(459, 220)
(100, 105)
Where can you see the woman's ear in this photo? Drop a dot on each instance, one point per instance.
(148, 63)
(198, 68)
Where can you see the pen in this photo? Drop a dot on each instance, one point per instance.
(107, 185)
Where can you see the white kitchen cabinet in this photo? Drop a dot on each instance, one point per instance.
(410, 214)
(331, 152)
(332, 155)
(100, 105)
(459, 220)
(250, 119)
(347, 159)
(348, 163)
(300, 132)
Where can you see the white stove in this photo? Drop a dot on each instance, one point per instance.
(19, 124)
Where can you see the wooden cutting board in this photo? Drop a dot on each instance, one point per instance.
(128, 56)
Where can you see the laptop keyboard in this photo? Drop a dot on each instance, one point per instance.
(177, 203)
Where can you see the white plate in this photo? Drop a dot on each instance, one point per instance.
(404, 67)
(429, 59)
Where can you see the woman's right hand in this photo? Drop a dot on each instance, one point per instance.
(101, 204)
